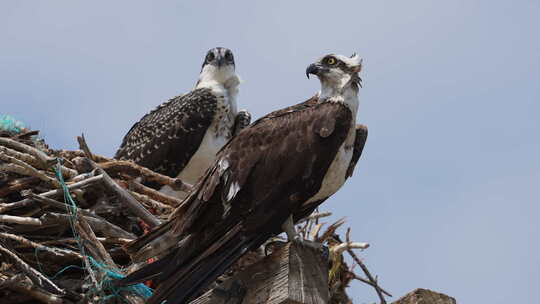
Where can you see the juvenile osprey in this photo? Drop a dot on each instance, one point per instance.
(181, 137)
(275, 172)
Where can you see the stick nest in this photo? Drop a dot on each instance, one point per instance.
(56, 251)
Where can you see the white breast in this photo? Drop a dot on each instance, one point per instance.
(335, 176)
(205, 155)
(217, 135)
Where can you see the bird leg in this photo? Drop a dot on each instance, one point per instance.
(294, 236)
(290, 230)
(241, 121)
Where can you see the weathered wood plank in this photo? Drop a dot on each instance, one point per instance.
(293, 274)
(425, 296)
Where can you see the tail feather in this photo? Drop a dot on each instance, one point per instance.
(148, 272)
(152, 244)
(160, 268)
(182, 285)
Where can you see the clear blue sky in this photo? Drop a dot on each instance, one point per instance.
(447, 191)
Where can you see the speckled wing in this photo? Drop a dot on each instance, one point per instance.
(165, 139)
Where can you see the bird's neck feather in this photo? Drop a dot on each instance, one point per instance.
(227, 88)
(348, 95)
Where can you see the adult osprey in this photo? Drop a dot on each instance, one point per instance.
(275, 172)
(181, 137)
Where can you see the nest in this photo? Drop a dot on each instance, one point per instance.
(66, 215)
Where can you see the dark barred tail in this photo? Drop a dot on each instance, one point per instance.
(184, 282)
(148, 272)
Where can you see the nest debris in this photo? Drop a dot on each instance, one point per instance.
(60, 240)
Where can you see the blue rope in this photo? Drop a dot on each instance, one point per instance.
(9, 124)
(66, 268)
(140, 288)
(110, 275)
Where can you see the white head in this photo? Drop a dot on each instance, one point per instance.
(338, 74)
(218, 69)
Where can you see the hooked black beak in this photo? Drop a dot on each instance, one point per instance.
(313, 69)
(220, 61)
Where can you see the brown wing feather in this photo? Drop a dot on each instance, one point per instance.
(297, 107)
(165, 139)
(359, 143)
(280, 153)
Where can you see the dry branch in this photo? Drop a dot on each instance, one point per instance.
(52, 193)
(54, 203)
(99, 253)
(57, 252)
(129, 200)
(72, 154)
(6, 281)
(371, 279)
(28, 288)
(27, 158)
(25, 169)
(152, 204)
(127, 167)
(153, 194)
(101, 225)
(126, 198)
(35, 276)
(17, 185)
(339, 249)
(357, 277)
(21, 220)
(104, 240)
(44, 160)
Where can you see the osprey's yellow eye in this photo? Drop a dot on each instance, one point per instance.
(331, 60)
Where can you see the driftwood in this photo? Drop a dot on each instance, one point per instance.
(48, 242)
(18, 185)
(127, 199)
(20, 167)
(106, 228)
(99, 253)
(424, 296)
(153, 194)
(53, 193)
(122, 166)
(58, 253)
(25, 287)
(35, 276)
(44, 160)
